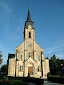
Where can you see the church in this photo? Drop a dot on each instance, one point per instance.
(29, 58)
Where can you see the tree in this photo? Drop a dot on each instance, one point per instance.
(56, 66)
(63, 71)
(0, 57)
(4, 69)
(46, 58)
(53, 65)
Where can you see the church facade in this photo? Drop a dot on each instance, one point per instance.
(29, 57)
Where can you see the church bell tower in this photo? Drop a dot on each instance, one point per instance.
(28, 28)
(29, 38)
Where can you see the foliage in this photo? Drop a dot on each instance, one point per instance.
(0, 57)
(28, 75)
(46, 58)
(56, 66)
(21, 81)
(49, 74)
(56, 78)
(4, 69)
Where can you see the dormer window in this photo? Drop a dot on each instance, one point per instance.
(29, 34)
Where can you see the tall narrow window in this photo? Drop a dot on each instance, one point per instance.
(29, 54)
(20, 68)
(29, 34)
(38, 68)
(21, 57)
(38, 58)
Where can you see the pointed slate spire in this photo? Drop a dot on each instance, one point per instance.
(28, 17)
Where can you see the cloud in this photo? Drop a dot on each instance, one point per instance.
(60, 56)
(5, 6)
(58, 47)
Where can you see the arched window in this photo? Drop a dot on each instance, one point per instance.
(30, 54)
(20, 68)
(29, 34)
(38, 58)
(38, 68)
(21, 57)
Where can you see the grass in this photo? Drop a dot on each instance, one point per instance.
(56, 78)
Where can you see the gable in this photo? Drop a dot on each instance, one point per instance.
(30, 60)
(38, 47)
(20, 47)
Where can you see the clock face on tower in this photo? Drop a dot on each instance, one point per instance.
(29, 27)
(30, 45)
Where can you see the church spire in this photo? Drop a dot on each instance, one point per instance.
(28, 17)
(28, 20)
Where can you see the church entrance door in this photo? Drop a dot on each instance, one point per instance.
(30, 70)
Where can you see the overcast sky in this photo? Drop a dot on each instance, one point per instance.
(48, 18)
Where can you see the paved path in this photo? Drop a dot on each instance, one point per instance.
(46, 82)
(31, 84)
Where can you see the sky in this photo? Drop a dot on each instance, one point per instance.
(48, 18)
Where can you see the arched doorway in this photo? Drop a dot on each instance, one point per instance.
(30, 69)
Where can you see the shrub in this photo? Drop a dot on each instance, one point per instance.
(49, 74)
(28, 75)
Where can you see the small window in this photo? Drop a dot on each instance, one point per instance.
(21, 57)
(20, 68)
(29, 34)
(38, 68)
(38, 58)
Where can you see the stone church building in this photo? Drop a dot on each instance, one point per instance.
(29, 57)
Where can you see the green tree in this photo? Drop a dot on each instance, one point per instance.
(0, 57)
(56, 66)
(53, 65)
(4, 68)
(63, 71)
